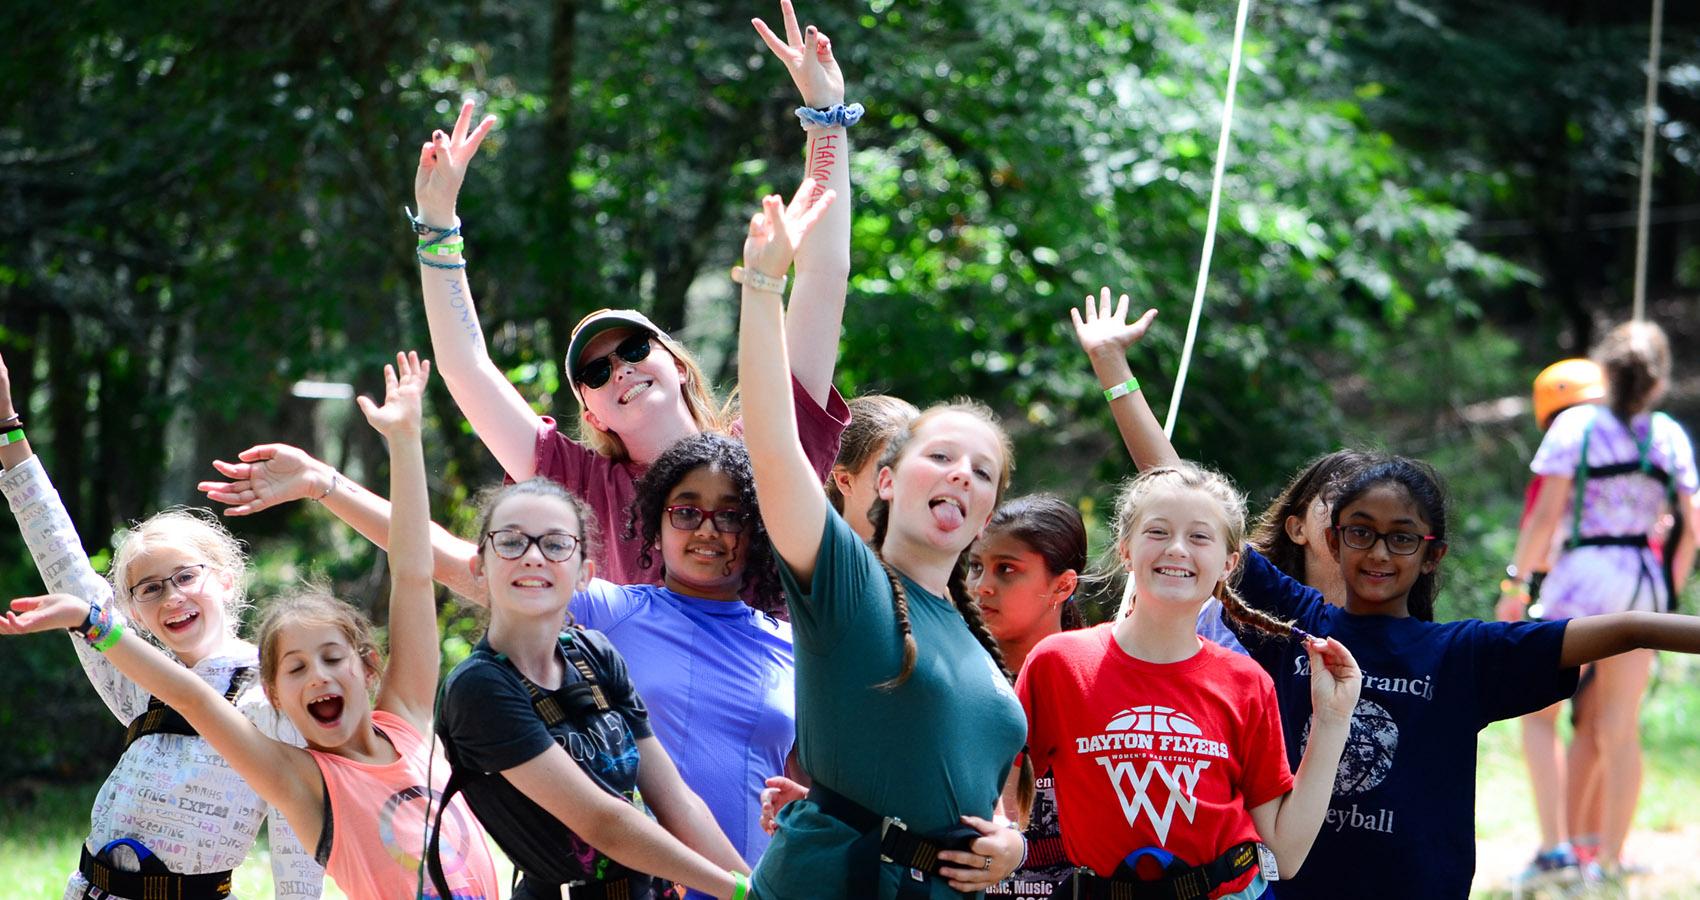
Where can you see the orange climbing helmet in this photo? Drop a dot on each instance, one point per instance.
(1564, 384)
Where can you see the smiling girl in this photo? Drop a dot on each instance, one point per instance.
(359, 791)
(178, 576)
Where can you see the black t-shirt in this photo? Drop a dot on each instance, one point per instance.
(489, 722)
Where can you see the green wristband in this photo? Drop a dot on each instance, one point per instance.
(1116, 392)
(11, 437)
(443, 249)
(740, 886)
(111, 637)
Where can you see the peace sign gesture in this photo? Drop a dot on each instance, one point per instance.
(807, 55)
(442, 166)
(776, 231)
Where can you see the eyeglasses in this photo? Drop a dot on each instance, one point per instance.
(185, 580)
(1399, 543)
(556, 546)
(727, 520)
(596, 373)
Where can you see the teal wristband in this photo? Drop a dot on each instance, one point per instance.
(11, 437)
(740, 886)
(1116, 392)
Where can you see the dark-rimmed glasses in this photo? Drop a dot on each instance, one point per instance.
(1399, 543)
(726, 520)
(185, 580)
(596, 373)
(556, 546)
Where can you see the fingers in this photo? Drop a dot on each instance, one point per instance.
(1091, 307)
(1121, 308)
(238, 471)
(476, 139)
(807, 223)
(368, 409)
(1145, 320)
(462, 121)
(390, 383)
(258, 452)
(771, 40)
(800, 199)
(823, 49)
(25, 604)
(792, 35)
(1105, 307)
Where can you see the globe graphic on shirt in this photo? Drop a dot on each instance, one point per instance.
(1370, 746)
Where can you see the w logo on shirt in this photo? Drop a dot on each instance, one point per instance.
(1133, 788)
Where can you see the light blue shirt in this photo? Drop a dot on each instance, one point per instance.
(717, 677)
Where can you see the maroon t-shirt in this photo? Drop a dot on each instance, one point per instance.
(610, 487)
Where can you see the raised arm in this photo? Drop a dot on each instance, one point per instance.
(1593, 638)
(793, 503)
(500, 416)
(268, 475)
(410, 679)
(1106, 335)
(282, 775)
(1534, 542)
(816, 315)
(1289, 823)
(616, 827)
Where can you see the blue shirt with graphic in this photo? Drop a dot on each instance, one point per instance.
(1402, 819)
(717, 677)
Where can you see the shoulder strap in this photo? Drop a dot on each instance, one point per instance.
(161, 719)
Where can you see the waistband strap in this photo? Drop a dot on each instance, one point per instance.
(631, 887)
(1178, 882)
(887, 839)
(161, 884)
(1611, 540)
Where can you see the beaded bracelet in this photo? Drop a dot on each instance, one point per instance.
(101, 629)
(435, 236)
(837, 115)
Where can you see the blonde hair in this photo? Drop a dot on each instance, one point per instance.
(1231, 505)
(310, 606)
(191, 529)
(1636, 359)
(874, 420)
(709, 414)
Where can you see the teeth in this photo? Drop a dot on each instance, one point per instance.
(530, 582)
(186, 616)
(1178, 573)
(953, 502)
(323, 697)
(635, 390)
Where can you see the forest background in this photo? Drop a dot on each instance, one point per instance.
(1426, 202)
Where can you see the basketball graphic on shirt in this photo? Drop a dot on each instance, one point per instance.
(1159, 719)
(1368, 756)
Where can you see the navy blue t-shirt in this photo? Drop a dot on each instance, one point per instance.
(1401, 822)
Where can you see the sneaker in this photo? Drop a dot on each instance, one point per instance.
(1550, 867)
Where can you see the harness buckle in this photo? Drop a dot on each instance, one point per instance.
(886, 824)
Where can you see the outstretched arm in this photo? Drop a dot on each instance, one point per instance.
(616, 827)
(500, 416)
(1106, 335)
(1288, 824)
(816, 316)
(793, 502)
(410, 680)
(285, 776)
(1593, 638)
(268, 475)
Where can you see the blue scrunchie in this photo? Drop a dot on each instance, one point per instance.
(833, 116)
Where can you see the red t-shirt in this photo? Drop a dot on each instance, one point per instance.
(610, 487)
(1171, 756)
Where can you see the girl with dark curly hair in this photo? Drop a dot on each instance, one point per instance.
(714, 670)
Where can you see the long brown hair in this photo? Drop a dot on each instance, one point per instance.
(874, 420)
(1636, 360)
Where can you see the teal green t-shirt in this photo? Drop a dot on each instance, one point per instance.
(936, 748)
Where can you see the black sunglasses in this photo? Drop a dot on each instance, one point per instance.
(727, 520)
(596, 373)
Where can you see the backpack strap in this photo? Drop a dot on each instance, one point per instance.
(158, 718)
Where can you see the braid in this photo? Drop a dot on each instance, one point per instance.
(969, 608)
(1251, 618)
(878, 516)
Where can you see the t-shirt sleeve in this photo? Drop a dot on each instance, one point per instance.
(1041, 744)
(1265, 774)
(818, 428)
(488, 717)
(617, 682)
(1682, 458)
(1262, 586)
(844, 583)
(1517, 670)
(560, 458)
(1561, 448)
(602, 605)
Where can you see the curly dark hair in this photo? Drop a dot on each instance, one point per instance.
(761, 587)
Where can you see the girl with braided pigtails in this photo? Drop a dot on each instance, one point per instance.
(905, 717)
(178, 575)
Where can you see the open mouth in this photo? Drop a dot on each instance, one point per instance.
(633, 392)
(180, 621)
(948, 512)
(709, 554)
(1173, 572)
(326, 709)
(532, 581)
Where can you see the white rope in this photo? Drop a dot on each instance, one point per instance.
(1210, 222)
(1647, 112)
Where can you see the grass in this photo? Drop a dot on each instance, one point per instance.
(43, 825)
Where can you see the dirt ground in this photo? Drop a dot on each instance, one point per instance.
(1672, 859)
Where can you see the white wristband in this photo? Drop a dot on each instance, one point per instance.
(761, 281)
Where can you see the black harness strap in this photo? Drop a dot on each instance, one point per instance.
(1179, 882)
(583, 697)
(161, 719)
(1644, 467)
(887, 839)
(154, 882)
